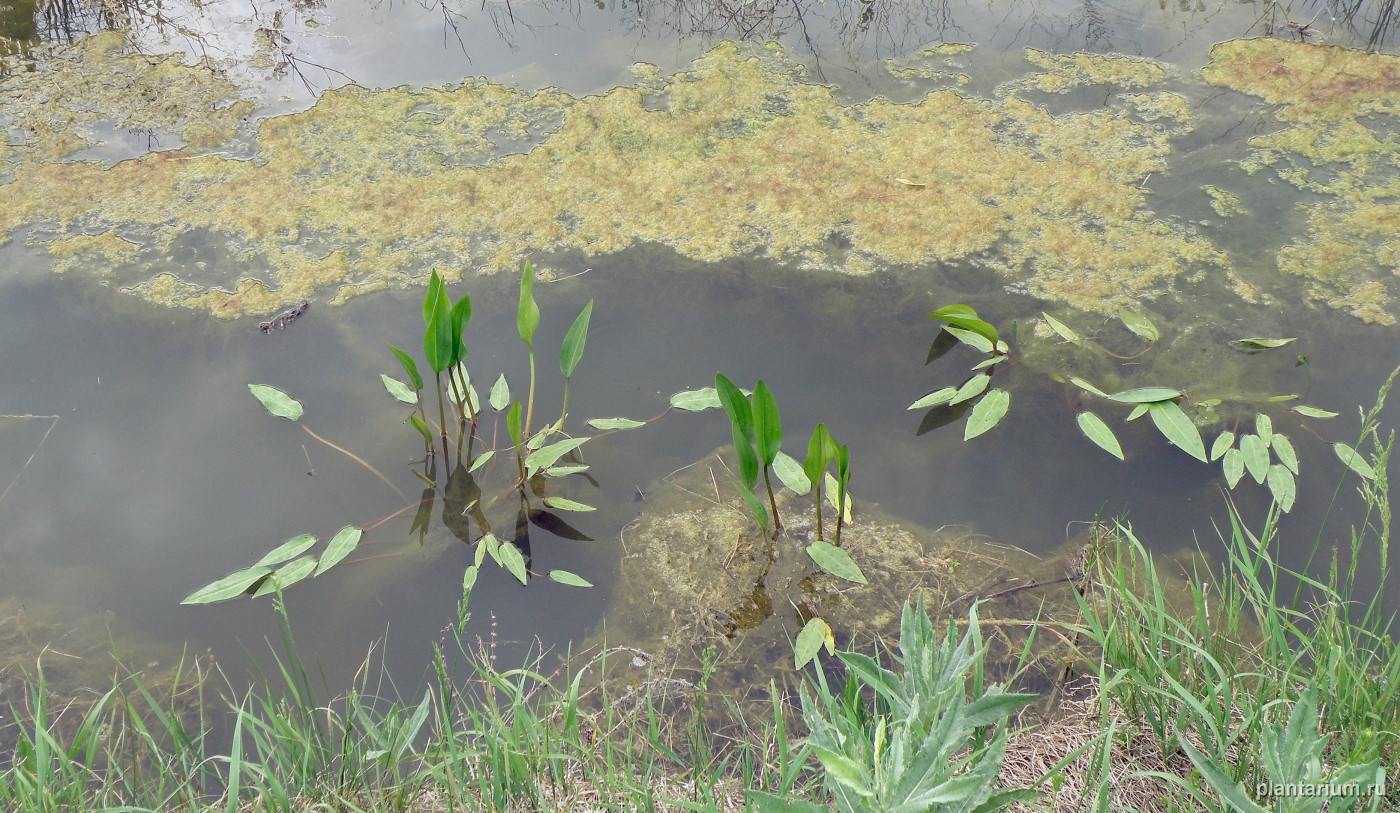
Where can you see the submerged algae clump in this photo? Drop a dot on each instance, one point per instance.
(738, 155)
(1340, 107)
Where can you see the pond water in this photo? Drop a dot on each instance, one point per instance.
(143, 468)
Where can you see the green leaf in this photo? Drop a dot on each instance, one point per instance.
(966, 318)
(409, 367)
(1233, 466)
(936, 397)
(527, 318)
(340, 546)
(1139, 324)
(513, 425)
(1354, 460)
(276, 401)
(1146, 395)
(564, 471)
(1277, 399)
(696, 400)
(290, 549)
(1256, 457)
(836, 562)
(422, 427)
(287, 575)
(817, 455)
(234, 584)
(481, 460)
(1263, 344)
(755, 505)
(768, 803)
(572, 349)
(1096, 430)
(790, 472)
(1060, 328)
(500, 394)
(1314, 412)
(438, 342)
(810, 640)
(1264, 428)
(1177, 428)
(736, 406)
(833, 491)
(974, 340)
(1137, 412)
(748, 459)
(985, 363)
(987, 413)
(545, 456)
(1223, 442)
(767, 425)
(845, 771)
(615, 423)
(436, 290)
(571, 579)
(1281, 484)
(460, 315)
(971, 388)
(1283, 449)
(398, 389)
(1087, 387)
(510, 559)
(567, 505)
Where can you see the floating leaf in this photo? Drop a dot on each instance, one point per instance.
(1314, 412)
(1354, 460)
(1276, 399)
(615, 423)
(1137, 412)
(1177, 428)
(1282, 486)
(571, 579)
(567, 505)
(338, 548)
(399, 390)
(1146, 395)
(1256, 457)
(971, 388)
(499, 397)
(564, 471)
(1264, 428)
(1223, 442)
(277, 402)
(1139, 324)
(1263, 344)
(696, 400)
(572, 349)
(481, 460)
(987, 413)
(934, 398)
(1096, 430)
(287, 575)
(1283, 449)
(790, 472)
(1087, 387)
(509, 557)
(1061, 328)
(1233, 466)
(810, 641)
(290, 549)
(409, 366)
(836, 562)
(234, 584)
(546, 456)
(989, 362)
(971, 339)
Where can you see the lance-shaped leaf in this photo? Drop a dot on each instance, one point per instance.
(971, 388)
(460, 315)
(499, 396)
(1281, 485)
(1139, 324)
(1096, 430)
(546, 456)
(814, 635)
(1145, 395)
(481, 460)
(736, 406)
(438, 341)
(1314, 412)
(966, 318)
(1256, 457)
(974, 340)
(1138, 411)
(1263, 344)
(572, 349)
(615, 423)
(1087, 387)
(286, 575)
(935, 398)
(276, 401)
(410, 367)
(398, 389)
(422, 427)
(987, 413)
(290, 549)
(527, 317)
(791, 473)
(340, 546)
(1264, 428)
(1223, 442)
(1233, 466)
(509, 557)
(755, 505)
(234, 584)
(1177, 428)
(571, 579)
(1287, 455)
(1354, 460)
(513, 425)
(767, 425)
(1061, 328)
(836, 562)
(696, 400)
(820, 449)
(567, 505)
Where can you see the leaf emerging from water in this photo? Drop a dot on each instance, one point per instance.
(277, 402)
(1177, 428)
(481, 460)
(340, 546)
(571, 579)
(987, 413)
(1096, 430)
(572, 349)
(836, 562)
(1354, 460)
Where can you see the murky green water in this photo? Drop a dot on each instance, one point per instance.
(161, 473)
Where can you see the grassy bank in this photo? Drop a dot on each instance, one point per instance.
(1245, 686)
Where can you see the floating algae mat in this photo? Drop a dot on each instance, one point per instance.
(740, 155)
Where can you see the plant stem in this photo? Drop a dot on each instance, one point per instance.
(564, 408)
(442, 417)
(530, 401)
(773, 504)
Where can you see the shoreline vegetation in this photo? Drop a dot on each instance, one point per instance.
(1255, 687)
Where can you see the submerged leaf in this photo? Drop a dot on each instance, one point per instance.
(1177, 428)
(836, 562)
(277, 402)
(1354, 460)
(1061, 328)
(1096, 430)
(987, 413)
(1087, 387)
(1139, 324)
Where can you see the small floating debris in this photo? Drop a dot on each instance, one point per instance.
(284, 319)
